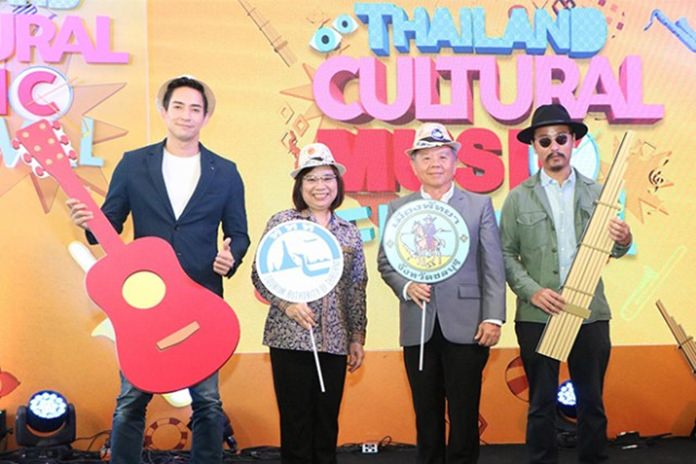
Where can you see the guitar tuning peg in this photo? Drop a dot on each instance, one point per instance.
(16, 144)
(26, 158)
(39, 172)
(72, 155)
(24, 154)
(55, 125)
(64, 139)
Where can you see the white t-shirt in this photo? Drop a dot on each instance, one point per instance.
(181, 174)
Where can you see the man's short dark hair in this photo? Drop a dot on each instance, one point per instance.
(301, 205)
(184, 82)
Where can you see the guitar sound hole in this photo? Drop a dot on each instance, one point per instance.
(143, 290)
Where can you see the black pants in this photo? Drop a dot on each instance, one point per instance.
(308, 417)
(452, 375)
(587, 364)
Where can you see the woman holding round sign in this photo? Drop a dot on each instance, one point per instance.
(310, 266)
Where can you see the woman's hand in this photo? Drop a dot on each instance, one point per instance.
(302, 314)
(356, 354)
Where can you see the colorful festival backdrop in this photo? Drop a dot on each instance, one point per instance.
(358, 77)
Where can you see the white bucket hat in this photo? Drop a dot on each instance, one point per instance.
(208, 93)
(313, 155)
(432, 134)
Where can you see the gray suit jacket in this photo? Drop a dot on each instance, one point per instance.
(475, 293)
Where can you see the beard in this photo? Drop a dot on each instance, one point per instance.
(556, 167)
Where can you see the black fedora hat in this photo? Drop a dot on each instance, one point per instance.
(551, 115)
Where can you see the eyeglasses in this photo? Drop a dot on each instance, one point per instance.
(561, 139)
(314, 180)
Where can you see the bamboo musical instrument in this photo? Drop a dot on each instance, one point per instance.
(684, 342)
(280, 45)
(593, 252)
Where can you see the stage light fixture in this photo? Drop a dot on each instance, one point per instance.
(47, 420)
(566, 420)
(566, 400)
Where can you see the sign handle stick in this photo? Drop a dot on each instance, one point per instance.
(316, 359)
(422, 338)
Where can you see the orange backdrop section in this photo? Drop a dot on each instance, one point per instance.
(648, 389)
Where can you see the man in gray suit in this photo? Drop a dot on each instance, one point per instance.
(464, 313)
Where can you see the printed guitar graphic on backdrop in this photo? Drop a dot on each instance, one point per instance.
(170, 332)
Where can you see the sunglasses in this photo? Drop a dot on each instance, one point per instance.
(561, 139)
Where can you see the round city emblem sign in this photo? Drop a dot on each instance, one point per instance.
(426, 241)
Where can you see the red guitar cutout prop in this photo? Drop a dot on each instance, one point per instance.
(180, 332)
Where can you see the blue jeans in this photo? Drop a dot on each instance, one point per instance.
(129, 423)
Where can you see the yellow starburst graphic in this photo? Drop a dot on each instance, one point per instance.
(644, 178)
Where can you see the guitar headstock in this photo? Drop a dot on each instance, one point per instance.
(45, 147)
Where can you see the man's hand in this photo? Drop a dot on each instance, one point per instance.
(79, 214)
(620, 232)
(419, 293)
(355, 356)
(487, 334)
(548, 301)
(224, 259)
(302, 314)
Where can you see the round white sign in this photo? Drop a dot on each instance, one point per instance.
(299, 261)
(426, 241)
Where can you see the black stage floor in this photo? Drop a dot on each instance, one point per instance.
(659, 451)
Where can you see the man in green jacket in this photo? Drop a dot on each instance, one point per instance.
(541, 225)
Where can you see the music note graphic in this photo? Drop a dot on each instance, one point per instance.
(280, 45)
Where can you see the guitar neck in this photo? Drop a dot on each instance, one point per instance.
(47, 149)
(99, 225)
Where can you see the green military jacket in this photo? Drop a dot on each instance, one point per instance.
(530, 246)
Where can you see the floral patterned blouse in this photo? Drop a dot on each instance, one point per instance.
(341, 315)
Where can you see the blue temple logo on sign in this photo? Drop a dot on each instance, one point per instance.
(426, 241)
(299, 261)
